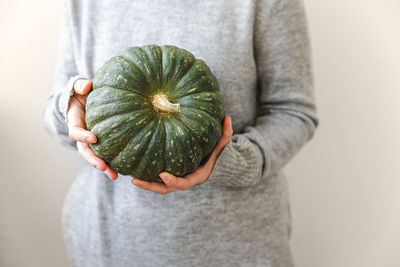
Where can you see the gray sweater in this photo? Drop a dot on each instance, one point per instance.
(260, 53)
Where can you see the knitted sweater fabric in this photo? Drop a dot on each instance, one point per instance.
(260, 52)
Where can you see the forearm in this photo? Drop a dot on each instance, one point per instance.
(263, 150)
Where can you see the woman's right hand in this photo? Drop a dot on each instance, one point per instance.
(77, 127)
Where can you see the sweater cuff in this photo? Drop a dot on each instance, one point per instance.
(240, 164)
(65, 96)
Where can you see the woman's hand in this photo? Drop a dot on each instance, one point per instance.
(199, 176)
(77, 127)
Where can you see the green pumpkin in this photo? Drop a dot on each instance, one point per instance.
(153, 109)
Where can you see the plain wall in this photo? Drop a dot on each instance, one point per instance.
(345, 184)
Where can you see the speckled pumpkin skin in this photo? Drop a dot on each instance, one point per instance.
(133, 136)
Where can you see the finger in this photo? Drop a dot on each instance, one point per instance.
(76, 126)
(87, 154)
(82, 135)
(76, 114)
(82, 86)
(227, 131)
(111, 173)
(155, 187)
(177, 182)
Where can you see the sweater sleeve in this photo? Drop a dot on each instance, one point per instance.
(55, 109)
(286, 110)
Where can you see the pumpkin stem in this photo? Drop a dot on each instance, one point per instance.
(161, 104)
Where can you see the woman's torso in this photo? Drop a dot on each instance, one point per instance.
(116, 224)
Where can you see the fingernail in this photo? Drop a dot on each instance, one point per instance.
(164, 177)
(137, 182)
(89, 140)
(82, 85)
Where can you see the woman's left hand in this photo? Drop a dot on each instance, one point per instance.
(199, 176)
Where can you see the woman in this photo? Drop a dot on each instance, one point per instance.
(232, 211)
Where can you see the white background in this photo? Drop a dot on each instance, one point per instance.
(345, 184)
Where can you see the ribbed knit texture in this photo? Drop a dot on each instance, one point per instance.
(259, 51)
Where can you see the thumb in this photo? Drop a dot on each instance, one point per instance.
(227, 132)
(82, 86)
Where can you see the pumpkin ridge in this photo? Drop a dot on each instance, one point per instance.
(196, 93)
(92, 121)
(112, 118)
(127, 75)
(182, 147)
(206, 131)
(132, 145)
(136, 66)
(125, 95)
(211, 115)
(122, 120)
(122, 113)
(183, 75)
(191, 132)
(113, 103)
(205, 112)
(156, 62)
(213, 90)
(165, 145)
(124, 130)
(122, 89)
(148, 145)
(176, 150)
(150, 65)
(190, 147)
(210, 102)
(127, 143)
(165, 81)
(138, 54)
(175, 66)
